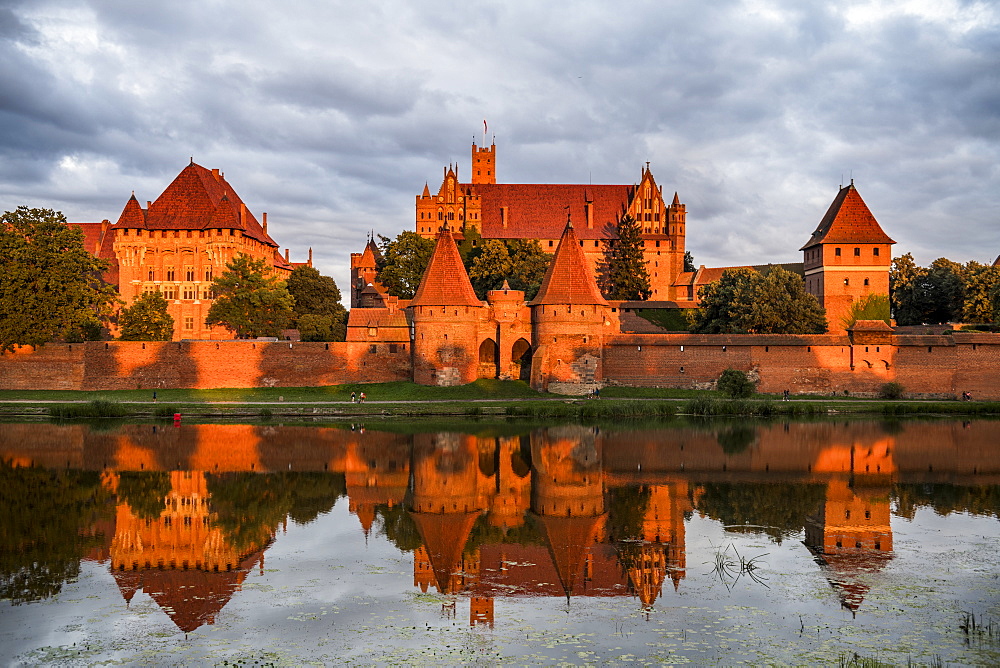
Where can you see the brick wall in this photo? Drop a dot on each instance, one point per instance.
(131, 365)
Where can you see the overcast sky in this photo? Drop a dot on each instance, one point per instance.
(331, 115)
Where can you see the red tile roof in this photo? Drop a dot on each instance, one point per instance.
(569, 280)
(97, 241)
(197, 199)
(445, 281)
(538, 211)
(848, 220)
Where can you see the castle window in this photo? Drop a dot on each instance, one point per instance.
(550, 243)
(657, 244)
(596, 243)
(169, 292)
(656, 217)
(151, 275)
(440, 215)
(373, 349)
(857, 252)
(393, 348)
(866, 281)
(451, 215)
(206, 293)
(189, 274)
(847, 281)
(170, 273)
(875, 252)
(208, 274)
(189, 292)
(232, 233)
(836, 251)
(188, 323)
(581, 243)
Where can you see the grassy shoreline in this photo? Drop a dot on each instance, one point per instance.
(479, 399)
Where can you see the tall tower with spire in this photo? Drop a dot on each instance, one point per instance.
(568, 321)
(446, 315)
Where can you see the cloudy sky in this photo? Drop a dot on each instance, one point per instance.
(331, 115)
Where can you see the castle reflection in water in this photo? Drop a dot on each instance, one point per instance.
(186, 513)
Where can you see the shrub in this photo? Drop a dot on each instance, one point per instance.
(891, 391)
(735, 384)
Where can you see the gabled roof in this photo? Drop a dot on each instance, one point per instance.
(568, 280)
(445, 281)
(538, 211)
(371, 255)
(848, 220)
(444, 537)
(197, 199)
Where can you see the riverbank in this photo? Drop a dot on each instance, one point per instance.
(482, 398)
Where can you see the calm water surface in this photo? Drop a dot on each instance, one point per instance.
(788, 543)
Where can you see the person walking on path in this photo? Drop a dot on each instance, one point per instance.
(363, 397)
(354, 397)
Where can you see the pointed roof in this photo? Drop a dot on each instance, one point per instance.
(427, 192)
(132, 215)
(568, 280)
(371, 255)
(568, 539)
(848, 220)
(444, 537)
(677, 200)
(197, 199)
(445, 281)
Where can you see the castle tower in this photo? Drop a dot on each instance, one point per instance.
(484, 164)
(364, 271)
(446, 314)
(512, 334)
(847, 257)
(568, 318)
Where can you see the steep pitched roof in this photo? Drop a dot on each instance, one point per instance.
(371, 255)
(538, 211)
(445, 281)
(568, 280)
(848, 220)
(197, 199)
(444, 536)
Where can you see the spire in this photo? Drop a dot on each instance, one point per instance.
(445, 281)
(677, 200)
(506, 285)
(848, 220)
(427, 192)
(569, 279)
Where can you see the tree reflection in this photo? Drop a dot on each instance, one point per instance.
(946, 498)
(777, 509)
(43, 515)
(144, 492)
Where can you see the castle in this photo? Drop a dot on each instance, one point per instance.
(567, 339)
(179, 243)
(558, 340)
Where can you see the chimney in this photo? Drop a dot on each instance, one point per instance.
(243, 214)
(310, 256)
(148, 204)
(265, 222)
(215, 173)
(286, 255)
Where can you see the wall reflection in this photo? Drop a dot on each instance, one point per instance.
(185, 514)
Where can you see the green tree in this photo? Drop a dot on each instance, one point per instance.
(945, 291)
(626, 276)
(905, 278)
(249, 300)
(734, 384)
(317, 305)
(689, 262)
(871, 307)
(50, 286)
(745, 301)
(981, 281)
(404, 260)
(146, 319)
(521, 262)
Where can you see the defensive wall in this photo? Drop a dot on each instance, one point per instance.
(930, 366)
(941, 366)
(135, 365)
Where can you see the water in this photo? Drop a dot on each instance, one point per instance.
(720, 542)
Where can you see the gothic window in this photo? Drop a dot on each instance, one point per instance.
(208, 274)
(189, 274)
(440, 215)
(170, 273)
(151, 275)
(190, 292)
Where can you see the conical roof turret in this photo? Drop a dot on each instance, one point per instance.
(569, 278)
(445, 281)
(132, 215)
